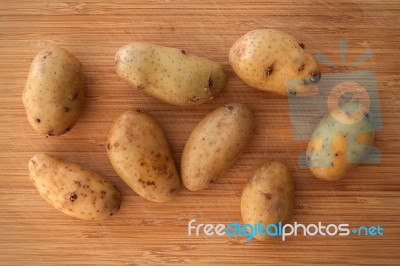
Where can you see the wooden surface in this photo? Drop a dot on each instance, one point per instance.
(32, 232)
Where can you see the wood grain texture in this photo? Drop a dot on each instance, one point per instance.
(32, 232)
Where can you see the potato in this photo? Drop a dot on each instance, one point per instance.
(169, 74)
(341, 140)
(54, 92)
(268, 197)
(75, 191)
(267, 59)
(139, 152)
(215, 144)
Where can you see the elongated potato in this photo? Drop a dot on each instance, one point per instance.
(215, 144)
(75, 191)
(139, 152)
(268, 197)
(341, 140)
(169, 74)
(267, 59)
(54, 92)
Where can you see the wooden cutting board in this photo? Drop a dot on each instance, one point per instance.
(33, 233)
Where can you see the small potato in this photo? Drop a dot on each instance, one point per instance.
(341, 140)
(215, 144)
(54, 92)
(75, 191)
(268, 197)
(139, 152)
(267, 59)
(169, 74)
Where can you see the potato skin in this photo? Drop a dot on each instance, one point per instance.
(75, 191)
(336, 147)
(268, 196)
(139, 152)
(54, 92)
(266, 59)
(215, 144)
(169, 74)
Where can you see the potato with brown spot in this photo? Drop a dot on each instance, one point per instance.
(215, 144)
(54, 92)
(342, 139)
(73, 190)
(169, 74)
(268, 196)
(267, 59)
(140, 154)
